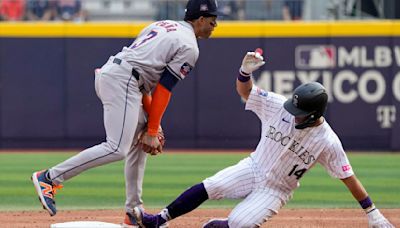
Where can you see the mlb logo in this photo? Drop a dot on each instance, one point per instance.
(315, 56)
(185, 69)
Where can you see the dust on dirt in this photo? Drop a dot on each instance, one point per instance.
(286, 218)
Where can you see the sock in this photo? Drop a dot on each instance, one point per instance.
(188, 201)
(150, 220)
(161, 220)
(47, 175)
(165, 214)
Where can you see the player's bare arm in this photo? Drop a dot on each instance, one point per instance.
(375, 218)
(251, 62)
(356, 188)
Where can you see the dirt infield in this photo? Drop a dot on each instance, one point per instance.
(286, 218)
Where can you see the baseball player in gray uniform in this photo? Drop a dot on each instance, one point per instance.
(135, 87)
(294, 137)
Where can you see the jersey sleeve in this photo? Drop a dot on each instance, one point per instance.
(183, 61)
(335, 161)
(264, 104)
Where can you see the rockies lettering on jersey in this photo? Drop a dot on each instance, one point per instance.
(295, 146)
(284, 153)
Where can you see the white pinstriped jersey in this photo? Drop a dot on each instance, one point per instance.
(163, 44)
(284, 153)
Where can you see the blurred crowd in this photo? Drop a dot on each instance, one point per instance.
(41, 10)
(240, 9)
(73, 10)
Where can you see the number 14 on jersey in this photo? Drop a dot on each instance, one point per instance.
(297, 172)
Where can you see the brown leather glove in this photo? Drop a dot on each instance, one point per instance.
(152, 145)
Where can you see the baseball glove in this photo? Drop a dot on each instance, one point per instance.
(152, 145)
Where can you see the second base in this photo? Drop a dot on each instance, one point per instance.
(85, 224)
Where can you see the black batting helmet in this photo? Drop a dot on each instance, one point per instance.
(308, 100)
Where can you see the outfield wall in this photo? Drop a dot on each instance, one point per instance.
(48, 99)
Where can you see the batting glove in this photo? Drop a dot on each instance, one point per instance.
(251, 62)
(377, 220)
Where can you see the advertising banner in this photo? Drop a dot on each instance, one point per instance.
(361, 75)
(48, 98)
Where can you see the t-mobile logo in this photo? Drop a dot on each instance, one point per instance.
(386, 115)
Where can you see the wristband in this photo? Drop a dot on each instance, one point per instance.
(242, 78)
(367, 205)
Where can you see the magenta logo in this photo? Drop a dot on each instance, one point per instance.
(346, 168)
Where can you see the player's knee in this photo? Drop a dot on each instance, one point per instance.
(114, 148)
(215, 189)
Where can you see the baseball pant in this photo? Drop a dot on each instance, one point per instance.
(124, 119)
(243, 181)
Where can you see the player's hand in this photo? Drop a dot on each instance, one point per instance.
(377, 220)
(251, 62)
(152, 145)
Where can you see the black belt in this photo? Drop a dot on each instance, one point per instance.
(134, 72)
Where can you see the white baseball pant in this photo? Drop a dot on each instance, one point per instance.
(242, 181)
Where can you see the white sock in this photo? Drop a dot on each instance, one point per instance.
(165, 214)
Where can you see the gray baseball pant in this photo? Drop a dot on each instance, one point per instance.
(124, 119)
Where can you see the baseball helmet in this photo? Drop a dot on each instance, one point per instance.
(308, 100)
(197, 8)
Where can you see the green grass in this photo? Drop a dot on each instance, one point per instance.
(171, 173)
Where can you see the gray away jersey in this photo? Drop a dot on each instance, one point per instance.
(284, 153)
(162, 45)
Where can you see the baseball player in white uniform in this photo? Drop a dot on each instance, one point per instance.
(294, 137)
(135, 87)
